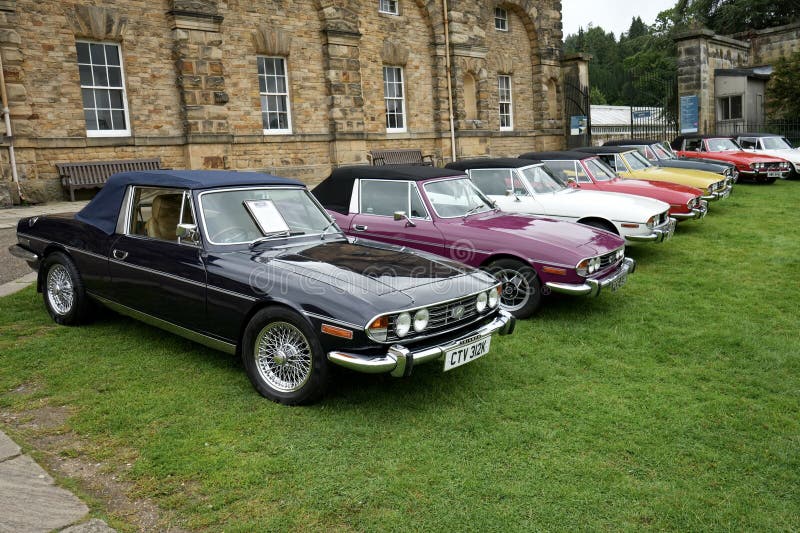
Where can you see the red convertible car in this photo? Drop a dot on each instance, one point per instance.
(588, 171)
(755, 167)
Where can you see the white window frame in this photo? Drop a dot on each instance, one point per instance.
(402, 99)
(264, 96)
(389, 7)
(502, 101)
(98, 132)
(500, 19)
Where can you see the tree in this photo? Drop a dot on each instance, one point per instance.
(733, 16)
(783, 91)
(596, 96)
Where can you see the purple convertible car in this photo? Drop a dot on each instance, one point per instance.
(440, 211)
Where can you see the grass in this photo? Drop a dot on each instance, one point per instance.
(672, 404)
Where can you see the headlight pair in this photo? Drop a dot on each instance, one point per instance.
(404, 322)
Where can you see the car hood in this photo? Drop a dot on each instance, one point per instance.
(368, 267)
(546, 239)
(673, 193)
(789, 154)
(576, 203)
(741, 157)
(693, 178)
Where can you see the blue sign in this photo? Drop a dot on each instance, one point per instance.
(638, 115)
(577, 124)
(690, 114)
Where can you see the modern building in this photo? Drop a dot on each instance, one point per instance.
(293, 87)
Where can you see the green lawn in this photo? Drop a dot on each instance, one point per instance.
(672, 404)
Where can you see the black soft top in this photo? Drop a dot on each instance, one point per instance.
(632, 142)
(335, 190)
(564, 155)
(606, 149)
(494, 162)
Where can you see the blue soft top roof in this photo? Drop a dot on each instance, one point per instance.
(103, 210)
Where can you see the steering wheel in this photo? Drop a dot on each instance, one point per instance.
(231, 234)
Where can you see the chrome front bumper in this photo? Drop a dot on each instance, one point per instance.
(719, 195)
(658, 234)
(18, 251)
(399, 360)
(593, 287)
(696, 213)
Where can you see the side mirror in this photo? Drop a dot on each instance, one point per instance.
(510, 192)
(401, 215)
(188, 232)
(572, 183)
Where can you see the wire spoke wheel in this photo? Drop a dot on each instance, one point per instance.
(283, 356)
(60, 289)
(515, 289)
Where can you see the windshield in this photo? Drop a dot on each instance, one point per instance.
(456, 198)
(636, 161)
(239, 216)
(541, 180)
(722, 145)
(775, 143)
(662, 152)
(599, 170)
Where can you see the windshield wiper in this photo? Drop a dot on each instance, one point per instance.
(326, 228)
(274, 234)
(471, 210)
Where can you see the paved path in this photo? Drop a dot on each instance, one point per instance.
(31, 502)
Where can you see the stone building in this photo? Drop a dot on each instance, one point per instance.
(728, 74)
(292, 87)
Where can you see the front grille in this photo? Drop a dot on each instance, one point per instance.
(442, 317)
(661, 218)
(606, 260)
(775, 166)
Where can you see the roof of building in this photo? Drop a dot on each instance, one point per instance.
(103, 211)
(621, 115)
(564, 155)
(335, 190)
(760, 73)
(495, 162)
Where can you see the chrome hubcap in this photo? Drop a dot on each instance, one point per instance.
(283, 356)
(516, 291)
(60, 292)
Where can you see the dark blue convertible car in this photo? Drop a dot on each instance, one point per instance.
(251, 264)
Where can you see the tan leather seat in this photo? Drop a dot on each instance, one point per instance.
(164, 219)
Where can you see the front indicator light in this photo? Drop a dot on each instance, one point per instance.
(421, 318)
(379, 328)
(402, 324)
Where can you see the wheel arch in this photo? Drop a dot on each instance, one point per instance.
(49, 250)
(606, 223)
(257, 306)
(505, 255)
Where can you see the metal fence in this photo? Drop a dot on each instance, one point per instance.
(786, 128)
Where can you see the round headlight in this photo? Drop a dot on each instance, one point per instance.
(402, 324)
(494, 298)
(421, 320)
(480, 303)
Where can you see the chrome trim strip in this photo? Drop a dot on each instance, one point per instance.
(435, 304)
(158, 272)
(81, 251)
(398, 357)
(334, 320)
(195, 336)
(232, 293)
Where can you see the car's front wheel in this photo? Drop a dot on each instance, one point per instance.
(521, 293)
(63, 291)
(283, 358)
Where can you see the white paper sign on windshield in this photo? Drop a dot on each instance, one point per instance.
(266, 216)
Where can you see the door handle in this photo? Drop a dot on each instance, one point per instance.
(119, 254)
(360, 227)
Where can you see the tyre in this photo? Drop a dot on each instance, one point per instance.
(63, 291)
(521, 293)
(284, 358)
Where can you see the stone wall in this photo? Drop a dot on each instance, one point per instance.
(192, 88)
(770, 44)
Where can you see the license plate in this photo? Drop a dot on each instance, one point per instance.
(465, 353)
(618, 282)
(773, 174)
(725, 194)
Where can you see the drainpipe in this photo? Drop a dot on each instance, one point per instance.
(449, 81)
(7, 117)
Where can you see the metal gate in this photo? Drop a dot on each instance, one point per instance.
(577, 113)
(654, 104)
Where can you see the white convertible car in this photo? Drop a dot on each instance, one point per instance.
(774, 145)
(526, 186)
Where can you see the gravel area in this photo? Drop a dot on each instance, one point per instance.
(11, 267)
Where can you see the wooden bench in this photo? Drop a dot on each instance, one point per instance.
(399, 157)
(94, 174)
